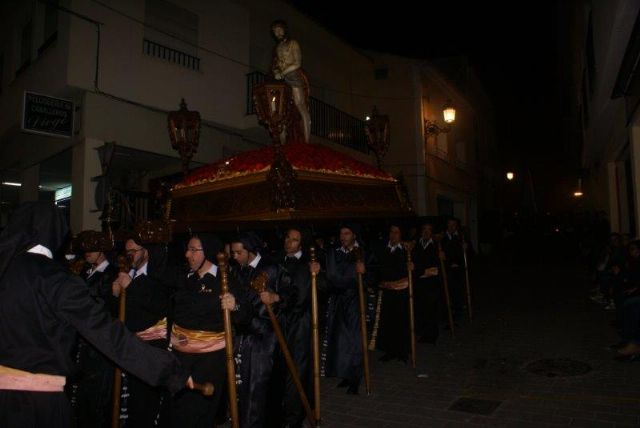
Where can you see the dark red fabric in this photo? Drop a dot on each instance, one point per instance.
(303, 156)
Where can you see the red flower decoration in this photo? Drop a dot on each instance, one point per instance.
(303, 157)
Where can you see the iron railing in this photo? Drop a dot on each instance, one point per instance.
(253, 79)
(171, 55)
(326, 121)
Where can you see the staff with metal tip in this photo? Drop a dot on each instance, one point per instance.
(445, 283)
(466, 278)
(231, 370)
(315, 335)
(360, 269)
(259, 284)
(408, 246)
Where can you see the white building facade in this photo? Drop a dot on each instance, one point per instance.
(126, 63)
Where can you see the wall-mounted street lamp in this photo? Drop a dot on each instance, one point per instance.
(578, 193)
(431, 127)
(184, 132)
(510, 175)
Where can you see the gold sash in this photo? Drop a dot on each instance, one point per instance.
(196, 341)
(155, 332)
(400, 284)
(20, 380)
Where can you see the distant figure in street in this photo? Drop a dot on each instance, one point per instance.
(453, 247)
(393, 337)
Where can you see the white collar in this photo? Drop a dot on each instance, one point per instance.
(296, 255)
(141, 271)
(213, 270)
(344, 250)
(255, 261)
(424, 243)
(100, 268)
(452, 234)
(394, 247)
(42, 250)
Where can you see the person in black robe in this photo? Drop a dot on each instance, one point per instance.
(92, 392)
(297, 326)
(42, 308)
(100, 272)
(394, 331)
(452, 245)
(197, 334)
(256, 343)
(342, 345)
(428, 285)
(147, 303)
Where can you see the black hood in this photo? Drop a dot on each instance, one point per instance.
(32, 223)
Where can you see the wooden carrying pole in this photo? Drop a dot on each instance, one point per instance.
(315, 337)
(125, 266)
(363, 324)
(228, 339)
(376, 321)
(259, 284)
(445, 285)
(466, 278)
(408, 246)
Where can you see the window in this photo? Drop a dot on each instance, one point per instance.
(1, 71)
(171, 34)
(381, 73)
(591, 56)
(50, 18)
(461, 151)
(50, 25)
(170, 25)
(25, 47)
(585, 99)
(442, 145)
(445, 206)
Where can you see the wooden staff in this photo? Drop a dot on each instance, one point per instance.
(408, 246)
(363, 324)
(259, 284)
(315, 337)
(445, 285)
(228, 339)
(376, 322)
(125, 266)
(466, 277)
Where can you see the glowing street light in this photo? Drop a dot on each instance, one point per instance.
(449, 112)
(578, 193)
(510, 175)
(449, 115)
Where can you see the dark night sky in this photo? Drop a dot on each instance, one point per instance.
(514, 51)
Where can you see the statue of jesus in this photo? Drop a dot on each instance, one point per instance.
(287, 66)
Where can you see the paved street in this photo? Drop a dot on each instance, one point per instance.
(522, 314)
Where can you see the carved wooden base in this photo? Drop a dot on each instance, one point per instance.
(317, 196)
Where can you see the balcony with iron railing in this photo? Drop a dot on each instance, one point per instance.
(327, 121)
(168, 54)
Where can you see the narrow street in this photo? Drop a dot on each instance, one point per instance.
(523, 313)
